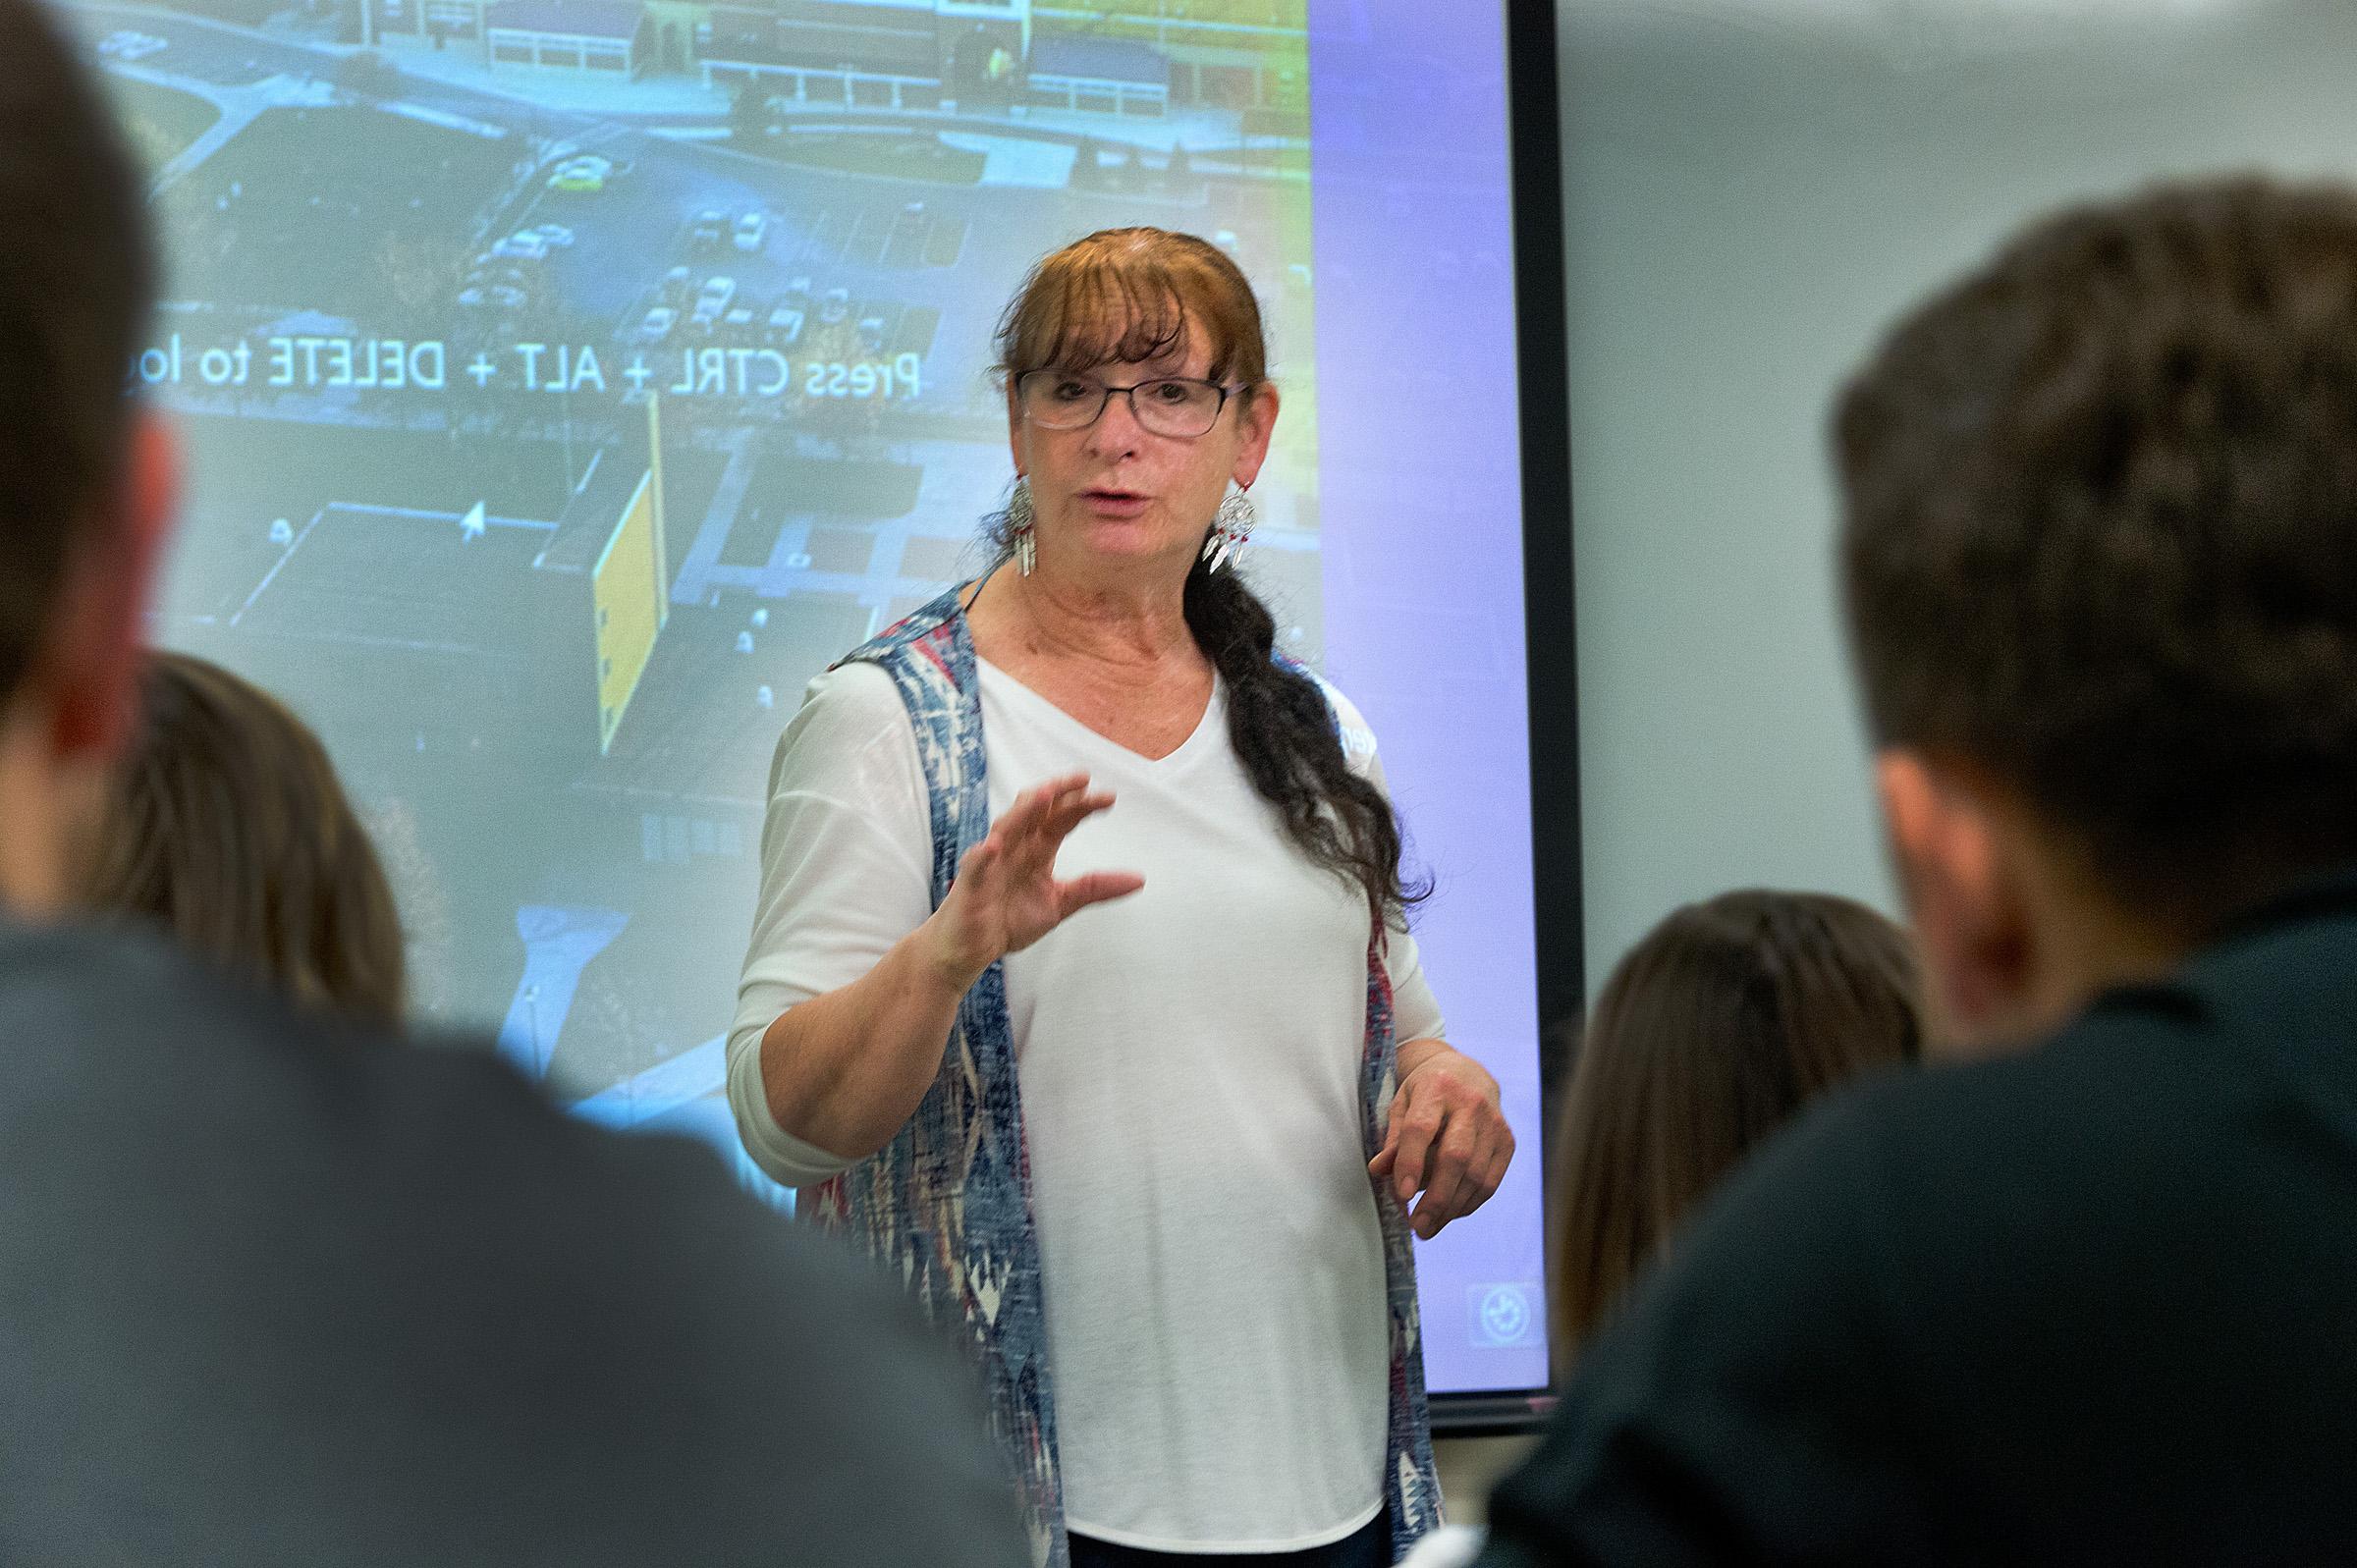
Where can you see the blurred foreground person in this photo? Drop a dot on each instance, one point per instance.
(2087, 1300)
(267, 1302)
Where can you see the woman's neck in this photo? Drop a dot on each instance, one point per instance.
(1110, 627)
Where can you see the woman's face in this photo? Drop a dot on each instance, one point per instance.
(1117, 491)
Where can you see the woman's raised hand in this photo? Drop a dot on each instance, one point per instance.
(1006, 896)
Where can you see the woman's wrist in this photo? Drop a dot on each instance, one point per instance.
(1414, 1053)
(942, 960)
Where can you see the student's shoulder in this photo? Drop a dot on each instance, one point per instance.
(129, 1058)
(2076, 1113)
(146, 1055)
(1933, 1140)
(1894, 1200)
(773, 1359)
(137, 1068)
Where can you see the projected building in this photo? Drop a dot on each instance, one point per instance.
(1115, 76)
(862, 53)
(1133, 59)
(986, 56)
(582, 34)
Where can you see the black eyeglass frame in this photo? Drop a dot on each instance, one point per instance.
(1104, 392)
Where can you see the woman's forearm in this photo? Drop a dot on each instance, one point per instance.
(843, 1070)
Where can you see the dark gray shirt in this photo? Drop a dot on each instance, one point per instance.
(2096, 1303)
(272, 1296)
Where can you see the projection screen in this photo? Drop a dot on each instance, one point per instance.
(566, 382)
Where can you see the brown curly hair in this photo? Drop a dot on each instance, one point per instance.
(2101, 536)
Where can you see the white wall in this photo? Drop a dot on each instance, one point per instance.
(1753, 191)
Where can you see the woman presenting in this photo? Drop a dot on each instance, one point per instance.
(1137, 1094)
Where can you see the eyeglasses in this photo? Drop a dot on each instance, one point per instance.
(1173, 406)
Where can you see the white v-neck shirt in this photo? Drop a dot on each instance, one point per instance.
(1211, 1261)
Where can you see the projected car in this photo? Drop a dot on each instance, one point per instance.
(713, 300)
(504, 288)
(585, 174)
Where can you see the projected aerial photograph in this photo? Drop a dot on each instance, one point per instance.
(566, 382)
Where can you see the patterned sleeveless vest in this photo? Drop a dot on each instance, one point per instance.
(946, 1203)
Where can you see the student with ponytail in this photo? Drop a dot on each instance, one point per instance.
(1181, 1251)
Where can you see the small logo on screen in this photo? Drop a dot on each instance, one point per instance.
(1505, 1315)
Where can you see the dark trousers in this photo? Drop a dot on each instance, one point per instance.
(1370, 1548)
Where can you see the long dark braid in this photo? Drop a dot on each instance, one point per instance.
(1285, 735)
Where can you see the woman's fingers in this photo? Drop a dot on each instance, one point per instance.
(1098, 887)
(1057, 825)
(1448, 1140)
(1022, 818)
(1493, 1176)
(1034, 840)
(1485, 1170)
(1415, 1125)
(1448, 1179)
(1039, 820)
(1013, 872)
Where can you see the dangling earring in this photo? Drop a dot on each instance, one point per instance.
(1231, 526)
(1020, 527)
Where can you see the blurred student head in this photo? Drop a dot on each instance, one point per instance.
(225, 825)
(87, 476)
(1711, 1033)
(2099, 554)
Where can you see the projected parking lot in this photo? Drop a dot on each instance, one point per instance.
(567, 381)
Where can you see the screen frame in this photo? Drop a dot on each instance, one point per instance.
(1550, 642)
